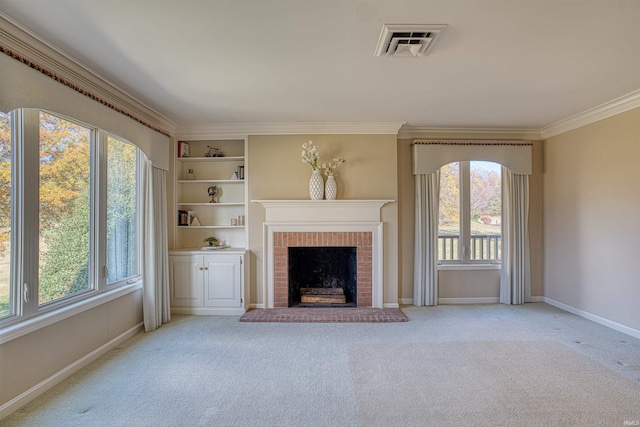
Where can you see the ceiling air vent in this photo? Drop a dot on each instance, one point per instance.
(407, 40)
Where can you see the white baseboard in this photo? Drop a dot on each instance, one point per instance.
(209, 311)
(537, 299)
(479, 300)
(390, 305)
(38, 389)
(406, 301)
(601, 320)
(252, 306)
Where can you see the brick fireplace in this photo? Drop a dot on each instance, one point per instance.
(282, 241)
(323, 223)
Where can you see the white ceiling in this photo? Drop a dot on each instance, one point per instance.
(519, 64)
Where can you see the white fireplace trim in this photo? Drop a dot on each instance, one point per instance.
(377, 251)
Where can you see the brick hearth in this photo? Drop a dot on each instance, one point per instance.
(283, 240)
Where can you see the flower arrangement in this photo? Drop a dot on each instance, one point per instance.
(330, 168)
(310, 154)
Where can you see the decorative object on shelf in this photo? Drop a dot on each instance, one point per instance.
(211, 240)
(241, 220)
(213, 152)
(331, 187)
(183, 149)
(214, 191)
(240, 172)
(234, 222)
(195, 222)
(191, 175)
(234, 176)
(316, 183)
(183, 218)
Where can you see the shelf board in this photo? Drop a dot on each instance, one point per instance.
(211, 159)
(180, 227)
(209, 204)
(206, 181)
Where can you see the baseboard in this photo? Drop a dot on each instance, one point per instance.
(38, 389)
(406, 301)
(390, 305)
(537, 299)
(601, 320)
(252, 306)
(209, 311)
(479, 300)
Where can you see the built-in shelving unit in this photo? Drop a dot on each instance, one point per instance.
(216, 217)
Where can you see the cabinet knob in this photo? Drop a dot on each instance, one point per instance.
(201, 268)
(206, 268)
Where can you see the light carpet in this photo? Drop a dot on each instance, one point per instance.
(448, 366)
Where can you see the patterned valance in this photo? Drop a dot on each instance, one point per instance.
(429, 156)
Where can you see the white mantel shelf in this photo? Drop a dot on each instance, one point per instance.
(292, 211)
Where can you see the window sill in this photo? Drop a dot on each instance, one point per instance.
(470, 267)
(21, 328)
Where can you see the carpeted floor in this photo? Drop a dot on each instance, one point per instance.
(480, 365)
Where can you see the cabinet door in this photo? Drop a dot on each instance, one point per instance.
(223, 281)
(185, 274)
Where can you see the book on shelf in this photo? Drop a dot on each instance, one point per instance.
(183, 149)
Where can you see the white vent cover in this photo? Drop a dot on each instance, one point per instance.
(407, 40)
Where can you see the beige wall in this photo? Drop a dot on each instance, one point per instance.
(39, 355)
(276, 172)
(591, 211)
(484, 280)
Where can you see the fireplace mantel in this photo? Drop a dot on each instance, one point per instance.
(293, 211)
(323, 223)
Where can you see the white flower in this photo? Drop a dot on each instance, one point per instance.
(310, 154)
(330, 169)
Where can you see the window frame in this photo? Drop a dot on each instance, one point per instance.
(26, 314)
(464, 247)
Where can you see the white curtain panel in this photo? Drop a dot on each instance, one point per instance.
(425, 272)
(155, 300)
(515, 276)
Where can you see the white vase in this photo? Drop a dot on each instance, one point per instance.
(316, 186)
(330, 188)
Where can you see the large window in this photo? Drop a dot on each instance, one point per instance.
(69, 213)
(470, 217)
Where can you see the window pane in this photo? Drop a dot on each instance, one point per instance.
(122, 260)
(486, 210)
(449, 213)
(65, 162)
(5, 214)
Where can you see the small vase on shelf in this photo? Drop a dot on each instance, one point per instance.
(316, 185)
(331, 188)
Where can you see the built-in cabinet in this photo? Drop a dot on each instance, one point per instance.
(210, 200)
(212, 283)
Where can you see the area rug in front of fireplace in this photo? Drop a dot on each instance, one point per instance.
(487, 384)
(325, 315)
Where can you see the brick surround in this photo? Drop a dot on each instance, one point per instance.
(283, 240)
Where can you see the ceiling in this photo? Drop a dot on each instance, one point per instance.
(512, 64)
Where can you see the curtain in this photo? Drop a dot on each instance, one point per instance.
(155, 299)
(515, 275)
(425, 270)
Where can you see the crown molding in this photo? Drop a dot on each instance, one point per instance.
(608, 109)
(20, 39)
(301, 128)
(416, 132)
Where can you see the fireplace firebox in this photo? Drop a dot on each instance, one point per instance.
(325, 276)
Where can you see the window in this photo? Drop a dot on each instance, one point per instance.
(65, 209)
(470, 213)
(69, 199)
(5, 215)
(122, 205)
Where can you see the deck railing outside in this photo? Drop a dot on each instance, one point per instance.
(484, 247)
